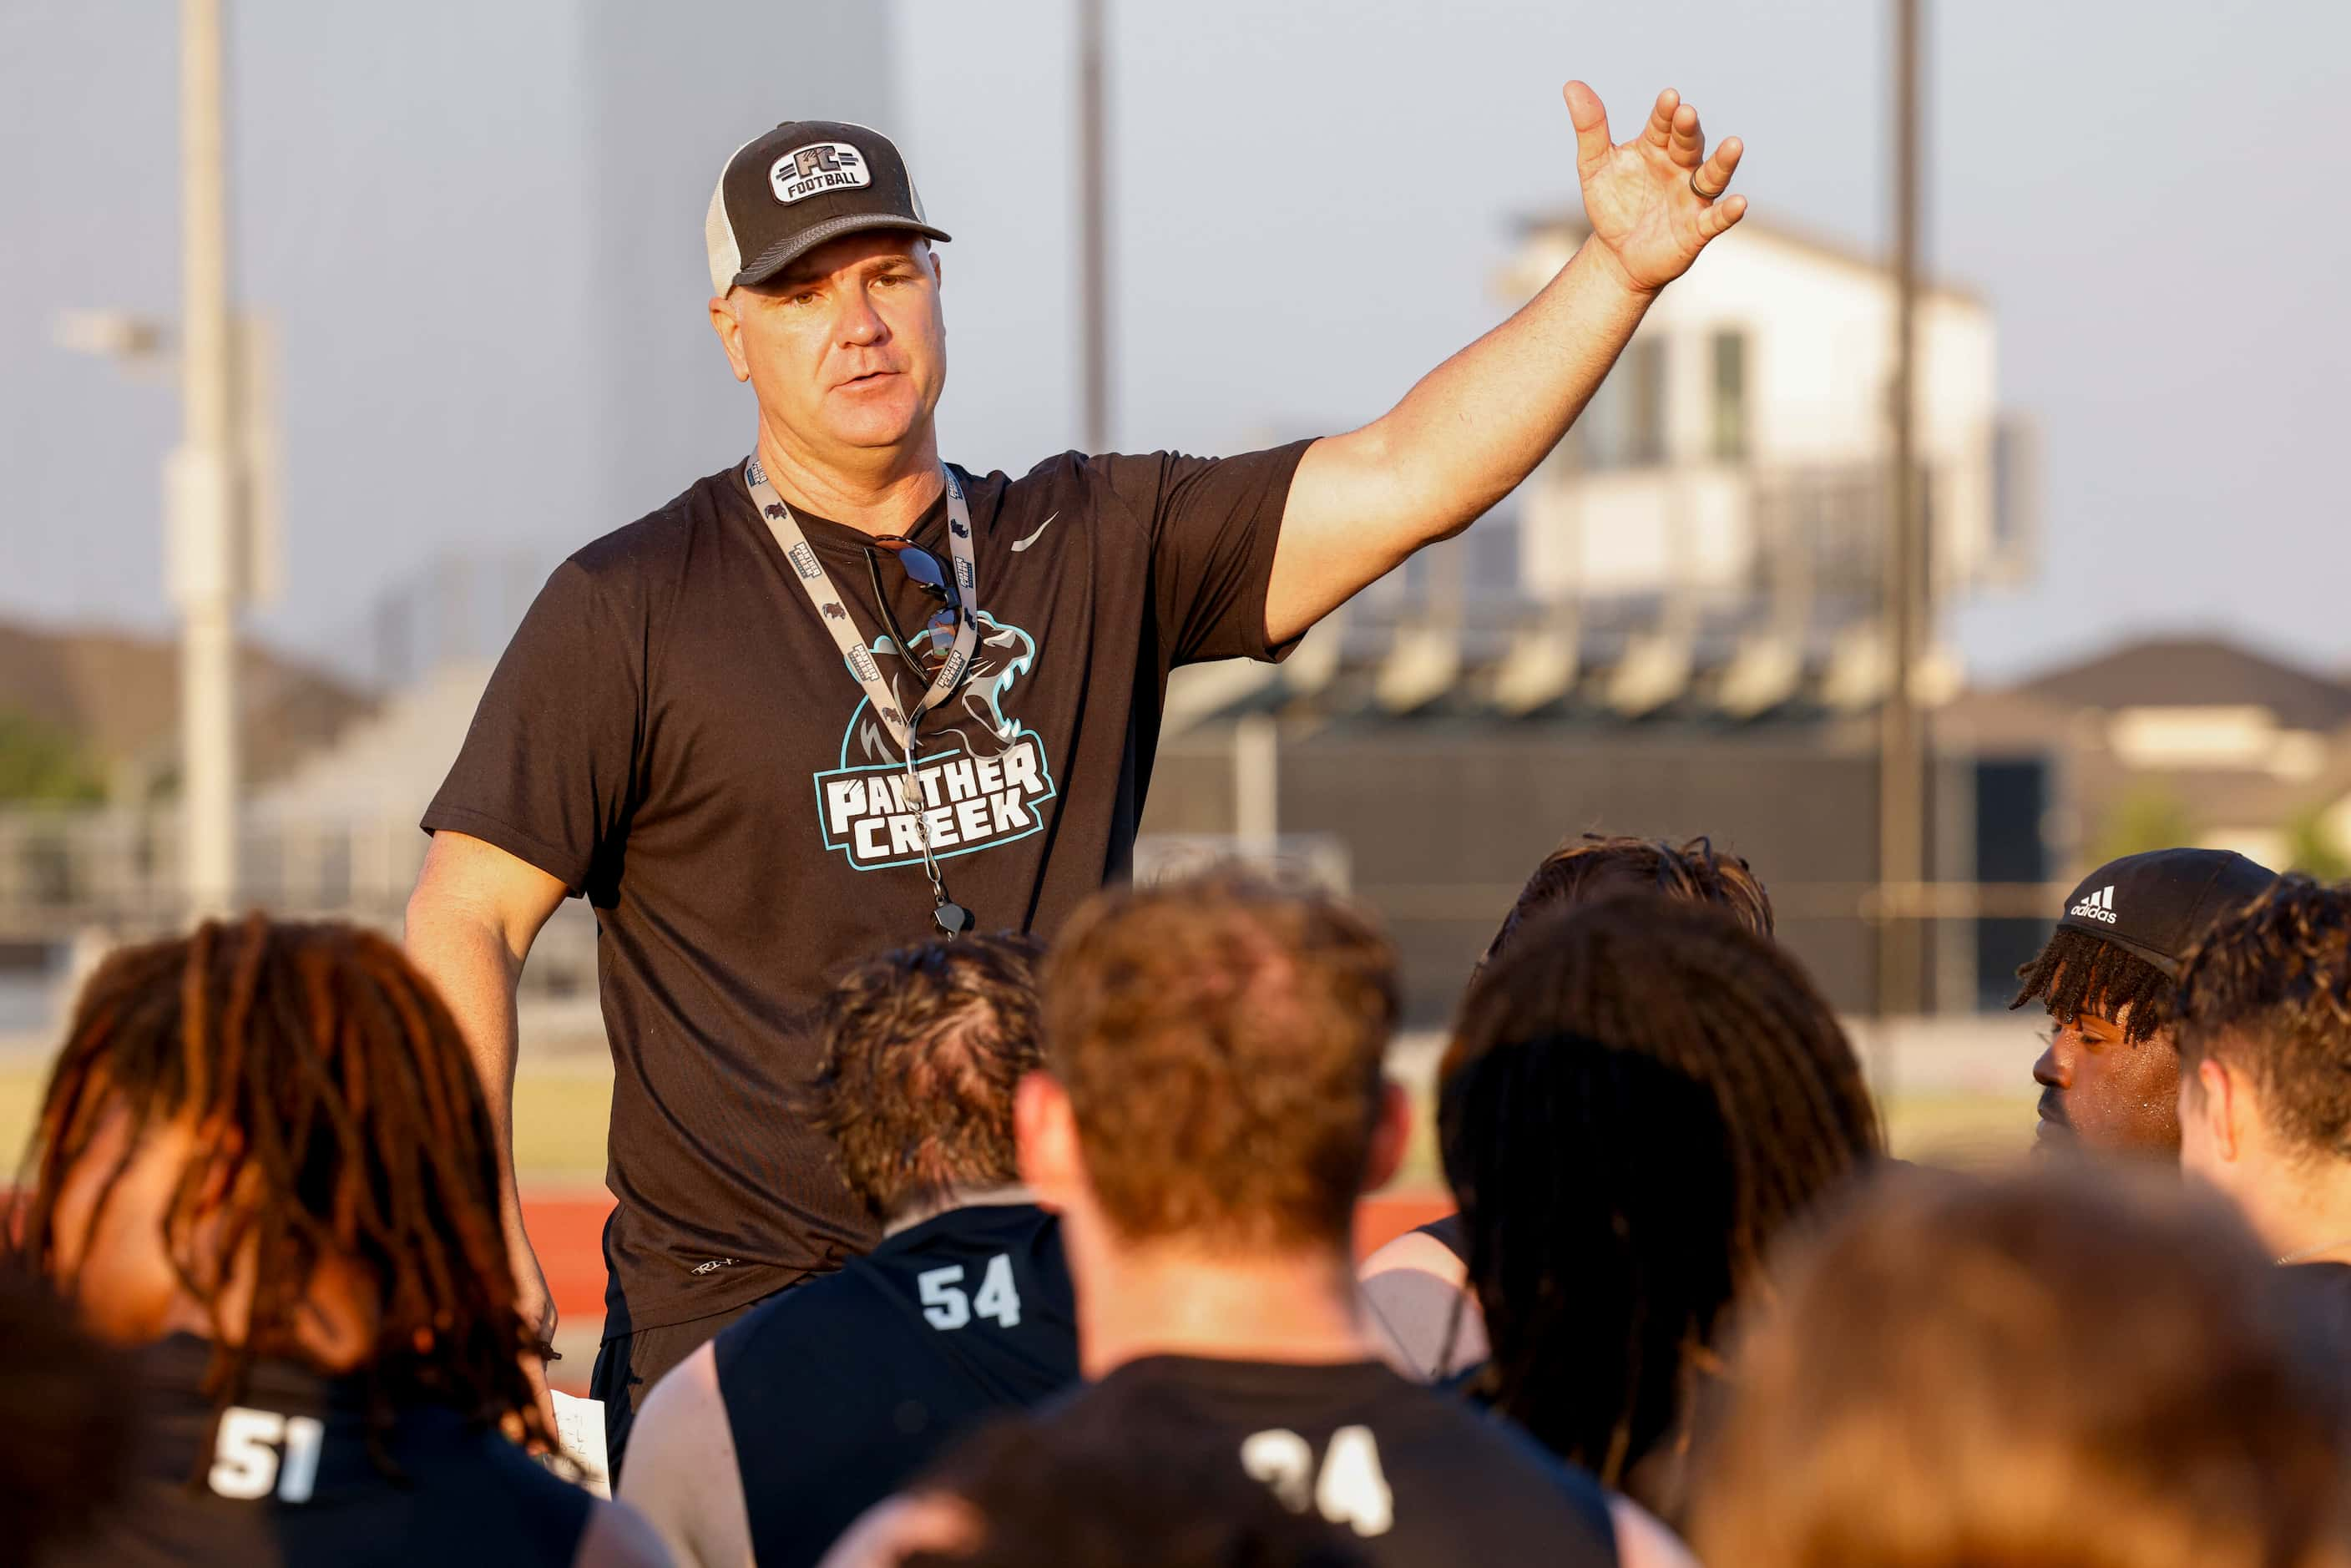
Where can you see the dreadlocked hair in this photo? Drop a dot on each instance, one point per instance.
(343, 1121)
(2075, 972)
(1640, 1095)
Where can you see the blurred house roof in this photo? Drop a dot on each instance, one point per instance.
(1811, 242)
(2195, 672)
(118, 694)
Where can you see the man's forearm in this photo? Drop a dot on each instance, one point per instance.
(1475, 427)
(471, 963)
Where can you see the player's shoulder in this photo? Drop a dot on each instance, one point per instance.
(810, 1323)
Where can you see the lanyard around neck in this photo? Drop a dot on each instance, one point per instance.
(833, 611)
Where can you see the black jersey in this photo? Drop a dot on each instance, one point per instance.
(284, 1479)
(2317, 1300)
(1424, 1481)
(839, 1391)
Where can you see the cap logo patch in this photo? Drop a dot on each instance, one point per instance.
(816, 168)
(2099, 905)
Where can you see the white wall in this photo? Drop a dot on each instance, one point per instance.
(1820, 350)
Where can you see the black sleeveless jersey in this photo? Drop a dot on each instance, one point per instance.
(1452, 1233)
(840, 1390)
(1422, 1479)
(283, 1478)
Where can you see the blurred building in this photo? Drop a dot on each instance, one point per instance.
(2179, 740)
(1716, 516)
(1669, 629)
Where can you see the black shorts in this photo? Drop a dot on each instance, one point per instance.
(629, 1365)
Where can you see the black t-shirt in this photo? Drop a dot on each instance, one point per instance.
(1424, 1481)
(839, 1391)
(283, 1478)
(2317, 1298)
(672, 733)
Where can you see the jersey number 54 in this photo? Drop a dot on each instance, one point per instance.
(947, 1306)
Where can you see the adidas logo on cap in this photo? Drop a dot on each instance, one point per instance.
(2099, 905)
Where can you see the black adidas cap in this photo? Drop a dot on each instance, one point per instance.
(806, 182)
(2155, 905)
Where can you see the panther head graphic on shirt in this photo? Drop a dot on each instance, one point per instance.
(982, 776)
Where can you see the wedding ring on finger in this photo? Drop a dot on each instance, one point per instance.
(1704, 194)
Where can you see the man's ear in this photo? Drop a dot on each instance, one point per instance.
(729, 328)
(1391, 1135)
(2224, 1103)
(1046, 1130)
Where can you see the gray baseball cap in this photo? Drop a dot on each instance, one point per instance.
(806, 182)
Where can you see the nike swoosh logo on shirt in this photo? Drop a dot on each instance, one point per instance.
(1020, 545)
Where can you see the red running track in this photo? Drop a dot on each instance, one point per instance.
(568, 1231)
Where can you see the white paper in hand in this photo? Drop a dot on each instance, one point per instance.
(579, 1426)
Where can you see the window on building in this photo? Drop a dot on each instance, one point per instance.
(1727, 430)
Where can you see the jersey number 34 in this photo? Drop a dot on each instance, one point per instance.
(947, 1306)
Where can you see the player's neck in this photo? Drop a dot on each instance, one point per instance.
(1292, 1307)
(2306, 1213)
(931, 1206)
(882, 491)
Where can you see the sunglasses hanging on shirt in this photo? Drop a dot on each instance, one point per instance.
(924, 570)
(939, 663)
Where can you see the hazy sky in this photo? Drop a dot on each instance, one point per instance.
(1313, 198)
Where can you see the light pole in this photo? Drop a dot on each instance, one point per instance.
(1902, 749)
(1093, 223)
(203, 482)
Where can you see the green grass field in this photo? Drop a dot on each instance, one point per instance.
(560, 1114)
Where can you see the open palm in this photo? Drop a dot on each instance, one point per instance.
(1639, 197)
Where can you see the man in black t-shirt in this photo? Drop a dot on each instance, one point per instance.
(2264, 1039)
(1214, 1107)
(766, 1442)
(263, 1162)
(840, 695)
(1018, 1494)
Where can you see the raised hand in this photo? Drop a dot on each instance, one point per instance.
(1640, 199)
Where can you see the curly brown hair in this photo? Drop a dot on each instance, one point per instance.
(923, 1049)
(1597, 864)
(359, 1126)
(1220, 1040)
(2061, 1369)
(2269, 988)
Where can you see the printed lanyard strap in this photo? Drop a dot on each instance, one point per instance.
(834, 611)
